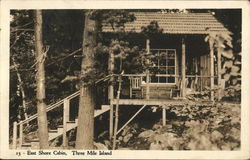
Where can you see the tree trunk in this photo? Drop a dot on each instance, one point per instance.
(40, 80)
(85, 130)
(21, 88)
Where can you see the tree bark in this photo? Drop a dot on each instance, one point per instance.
(85, 130)
(40, 80)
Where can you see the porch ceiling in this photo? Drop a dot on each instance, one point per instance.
(175, 23)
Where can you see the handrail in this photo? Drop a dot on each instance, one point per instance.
(163, 75)
(50, 107)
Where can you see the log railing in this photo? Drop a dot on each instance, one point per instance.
(66, 106)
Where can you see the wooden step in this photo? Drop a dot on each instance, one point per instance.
(53, 131)
(27, 145)
(70, 125)
(32, 140)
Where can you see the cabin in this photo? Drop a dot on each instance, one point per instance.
(183, 64)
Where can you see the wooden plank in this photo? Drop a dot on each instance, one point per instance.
(159, 102)
(183, 68)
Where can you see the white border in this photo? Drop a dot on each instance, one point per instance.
(244, 153)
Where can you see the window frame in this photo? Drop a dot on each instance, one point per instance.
(158, 66)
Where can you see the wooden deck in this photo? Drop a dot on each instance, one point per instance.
(160, 102)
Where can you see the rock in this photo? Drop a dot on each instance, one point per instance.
(216, 135)
(100, 146)
(127, 137)
(107, 143)
(146, 134)
(155, 146)
(157, 126)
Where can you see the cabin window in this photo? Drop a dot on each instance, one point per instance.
(163, 66)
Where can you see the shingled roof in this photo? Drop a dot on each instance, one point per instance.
(174, 23)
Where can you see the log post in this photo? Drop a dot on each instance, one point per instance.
(219, 71)
(21, 134)
(163, 116)
(65, 120)
(111, 66)
(211, 70)
(147, 71)
(183, 67)
(14, 135)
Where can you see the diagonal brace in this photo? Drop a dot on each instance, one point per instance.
(130, 119)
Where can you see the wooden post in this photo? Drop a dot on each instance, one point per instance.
(111, 119)
(65, 120)
(163, 116)
(117, 111)
(219, 71)
(211, 70)
(20, 134)
(14, 135)
(111, 66)
(147, 71)
(183, 68)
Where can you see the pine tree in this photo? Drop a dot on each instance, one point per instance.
(40, 80)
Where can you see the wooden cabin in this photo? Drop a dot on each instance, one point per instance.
(186, 64)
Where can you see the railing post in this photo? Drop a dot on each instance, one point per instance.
(14, 135)
(21, 134)
(65, 120)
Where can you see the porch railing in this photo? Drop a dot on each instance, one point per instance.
(137, 82)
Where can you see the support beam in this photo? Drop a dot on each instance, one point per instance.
(147, 71)
(111, 119)
(164, 116)
(130, 119)
(117, 111)
(219, 71)
(65, 120)
(211, 70)
(111, 66)
(183, 67)
(14, 139)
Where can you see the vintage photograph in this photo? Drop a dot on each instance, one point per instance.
(125, 79)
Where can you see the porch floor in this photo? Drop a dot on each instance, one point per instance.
(160, 102)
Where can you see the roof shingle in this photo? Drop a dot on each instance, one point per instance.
(174, 23)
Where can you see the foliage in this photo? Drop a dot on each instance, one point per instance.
(189, 127)
(153, 29)
(231, 63)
